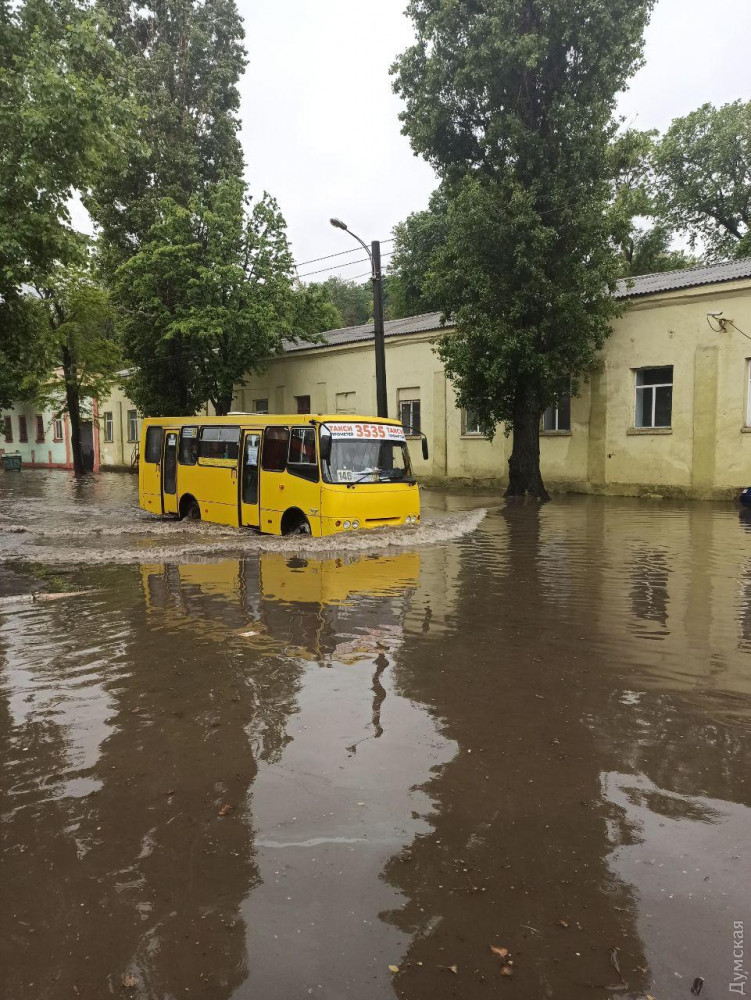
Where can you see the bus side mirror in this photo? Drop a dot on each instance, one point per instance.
(425, 454)
(325, 447)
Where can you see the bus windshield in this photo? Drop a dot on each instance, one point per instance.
(363, 460)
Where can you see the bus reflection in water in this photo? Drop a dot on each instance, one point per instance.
(302, 605)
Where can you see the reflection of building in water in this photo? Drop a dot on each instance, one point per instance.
(649, 586)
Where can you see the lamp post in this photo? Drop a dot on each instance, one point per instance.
(374, 253)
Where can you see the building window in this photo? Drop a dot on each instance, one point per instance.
(260, 406)
(23, 433)
(409, 414)
(345, 402)
(132, 425)
(558, 418)
(57, 429)
(40, 428)
(748, 392)
(471, 423)
(8, 429)
(303, 404)
(654, 397)
(109, 428)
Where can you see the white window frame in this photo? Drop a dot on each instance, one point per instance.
(58, 431)
(408, 425)
(466, 430)
(653, 386)
(109, 427)
(263, 400)
(132, 423)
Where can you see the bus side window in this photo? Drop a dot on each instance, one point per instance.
(153, 449)
(302, 453)
(275, 446)
(189, 446)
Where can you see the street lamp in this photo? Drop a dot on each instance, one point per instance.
(374, 253)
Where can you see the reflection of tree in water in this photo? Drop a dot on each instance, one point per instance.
(744, 611)
(520, 841)
(145, 878)
(649, 587)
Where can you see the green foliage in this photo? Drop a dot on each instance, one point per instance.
(703, 165)
(354, 302)
(24, 360)
(60, 113)
(314, 310)
(512, 102)
(184, 58)
(415, 241)
(80, 342)
(207, 299)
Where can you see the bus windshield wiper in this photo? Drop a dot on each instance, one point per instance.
(364, 476)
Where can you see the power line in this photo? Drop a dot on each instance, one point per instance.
(342, 253)
(335, 267)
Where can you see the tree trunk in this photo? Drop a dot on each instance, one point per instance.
(524, 464)
(223, 404)
(74, 410)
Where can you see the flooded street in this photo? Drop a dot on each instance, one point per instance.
(235, 767)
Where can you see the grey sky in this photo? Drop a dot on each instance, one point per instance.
(320, 123)
(320, 127)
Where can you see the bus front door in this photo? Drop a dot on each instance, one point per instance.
(249, 499)
(169, 472)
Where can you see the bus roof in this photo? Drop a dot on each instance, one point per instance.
(262, 419)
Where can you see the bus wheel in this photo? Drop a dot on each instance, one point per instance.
(190, 511)
(295, 522)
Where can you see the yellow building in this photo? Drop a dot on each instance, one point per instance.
(668, 411)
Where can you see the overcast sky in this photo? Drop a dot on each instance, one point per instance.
(320, 127)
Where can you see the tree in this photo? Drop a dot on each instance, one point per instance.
(207, 299)
(60, 119)
(512, 102)
(23, 350)
(415, 241)
(79, 344)
(644, 248)
(314, 310)
(703, 165)
(353, 301)
(184, 59)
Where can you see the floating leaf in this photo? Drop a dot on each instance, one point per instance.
(502, 953)
(226, 808)
(393, 968)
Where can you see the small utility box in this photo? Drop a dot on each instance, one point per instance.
(12, 461)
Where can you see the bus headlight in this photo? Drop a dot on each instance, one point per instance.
(346, 524)
(355, 524)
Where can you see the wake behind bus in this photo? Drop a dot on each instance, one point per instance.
(281, 474)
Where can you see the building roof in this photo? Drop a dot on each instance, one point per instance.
(644, 284)
(688, 277)
(353, 334)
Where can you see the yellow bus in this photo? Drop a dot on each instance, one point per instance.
(311, 474)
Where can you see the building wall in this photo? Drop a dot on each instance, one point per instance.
(120, 449)
(48, 453)
(706, 452)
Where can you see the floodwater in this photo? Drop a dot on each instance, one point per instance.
(232, 768)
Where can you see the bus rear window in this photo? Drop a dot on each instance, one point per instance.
(153, 449)
(219, 442)
(275, 445)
